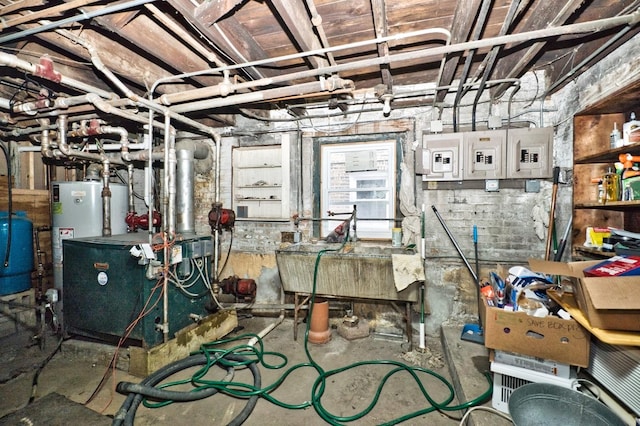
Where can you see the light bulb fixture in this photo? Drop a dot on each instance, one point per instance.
(386, 106)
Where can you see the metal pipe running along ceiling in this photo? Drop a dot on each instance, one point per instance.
(584, 27)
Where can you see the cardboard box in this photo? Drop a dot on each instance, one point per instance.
(608, 303)
(550, 338)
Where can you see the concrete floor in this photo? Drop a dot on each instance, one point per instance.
(76, 370)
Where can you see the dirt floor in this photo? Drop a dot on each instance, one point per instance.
(75, 372)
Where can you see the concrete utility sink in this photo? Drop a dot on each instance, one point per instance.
(358, 271)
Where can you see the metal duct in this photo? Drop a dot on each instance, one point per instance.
(185, 213)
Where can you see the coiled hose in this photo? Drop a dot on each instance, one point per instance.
(147, 388)
(249, 355)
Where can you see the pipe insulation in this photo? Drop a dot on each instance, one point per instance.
(13, 61)
(330, 84)
(221, 90)
(588, 27)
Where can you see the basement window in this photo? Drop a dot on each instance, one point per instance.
(362, 172)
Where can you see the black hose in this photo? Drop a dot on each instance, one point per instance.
(7, 155)
(127, 411)
(34, 382)
(151, 392)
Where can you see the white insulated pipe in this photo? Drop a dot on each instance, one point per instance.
(583, 27)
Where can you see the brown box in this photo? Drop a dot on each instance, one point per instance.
(608, 303)
(550, 337)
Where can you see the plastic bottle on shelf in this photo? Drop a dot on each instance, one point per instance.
(614, 138)
(631, 130)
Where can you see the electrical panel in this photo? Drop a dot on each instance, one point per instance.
(440, 157)
(485, 155)
(530, 153)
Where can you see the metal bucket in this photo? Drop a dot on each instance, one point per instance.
(545, 404)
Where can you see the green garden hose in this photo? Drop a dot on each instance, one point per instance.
(244, 355)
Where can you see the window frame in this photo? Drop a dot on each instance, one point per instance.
(322, 145)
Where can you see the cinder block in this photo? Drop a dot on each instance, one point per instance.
(352, 332)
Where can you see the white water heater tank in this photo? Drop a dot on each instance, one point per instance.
(77, 212)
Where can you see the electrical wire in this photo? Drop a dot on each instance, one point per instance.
(463, 422)
(34, 382)
(251, 355)
(146, 309)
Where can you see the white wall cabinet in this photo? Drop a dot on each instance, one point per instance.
(261, 184)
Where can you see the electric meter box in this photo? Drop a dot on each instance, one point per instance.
(440, 157)
(529, 153)
(485, 155)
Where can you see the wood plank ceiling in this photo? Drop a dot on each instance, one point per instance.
(209, 60)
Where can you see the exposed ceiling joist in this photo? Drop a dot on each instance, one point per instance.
(541, 15)
(463, 19)
(228, 35)
(297, 22)
(382, 30)
(213, 10)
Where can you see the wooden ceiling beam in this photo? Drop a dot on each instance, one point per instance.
(127, 65)
(144, 33)
(19, 5)
(298, 24)
(381, 27)
(213, 10)
(229, 36)
(463, 21)
(541, 15)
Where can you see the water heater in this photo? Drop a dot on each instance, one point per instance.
(77, 213)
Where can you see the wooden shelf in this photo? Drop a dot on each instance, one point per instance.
(593, 156)
(610, 156)
(612, 337)
(591, 252)
(609, 205)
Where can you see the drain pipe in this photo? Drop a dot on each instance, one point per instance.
(168, 218)
(273, 325)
